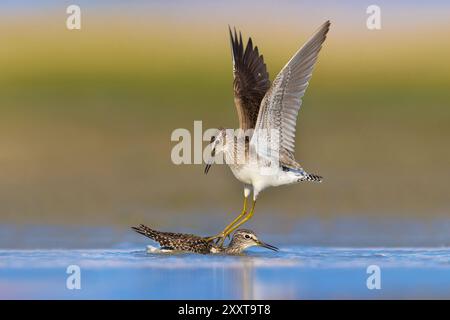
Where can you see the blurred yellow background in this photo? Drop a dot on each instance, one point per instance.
(86, 116)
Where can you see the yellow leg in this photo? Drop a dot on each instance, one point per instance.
(247, 217)
(229, 226)
(244, 211)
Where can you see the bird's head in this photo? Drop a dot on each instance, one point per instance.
(244, 238)
(217, 145)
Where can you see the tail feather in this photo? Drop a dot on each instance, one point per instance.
(312, 177)
(146, 231)
(301, 174)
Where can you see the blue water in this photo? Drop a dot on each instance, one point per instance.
(296, 272)
(317, 260)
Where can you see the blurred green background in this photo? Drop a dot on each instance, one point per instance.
(86, 116)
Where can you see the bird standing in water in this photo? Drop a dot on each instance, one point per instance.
(267, 117)
(242, 239)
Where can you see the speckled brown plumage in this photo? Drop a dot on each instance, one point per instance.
(177, 241)
(241, 240)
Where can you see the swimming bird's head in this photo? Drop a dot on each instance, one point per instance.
(243, 239)
(217, 145)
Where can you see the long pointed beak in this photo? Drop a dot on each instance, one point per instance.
(208, 166)
(210, 161)
(267, 246)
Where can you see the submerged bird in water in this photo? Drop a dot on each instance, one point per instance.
(241, 240)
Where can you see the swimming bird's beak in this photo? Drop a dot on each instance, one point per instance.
(267, 246)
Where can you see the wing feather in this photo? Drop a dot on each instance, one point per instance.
(251, 80)
(281, 104)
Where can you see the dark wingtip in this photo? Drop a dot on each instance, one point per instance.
(250, 43)
(326, 26)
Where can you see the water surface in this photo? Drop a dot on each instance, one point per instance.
(296, 272)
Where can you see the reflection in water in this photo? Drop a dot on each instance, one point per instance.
(293, 273)
(236, 281)
(240, 281)
(247, 279)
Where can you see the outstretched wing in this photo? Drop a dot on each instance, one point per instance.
(280, 106)
(251, 80)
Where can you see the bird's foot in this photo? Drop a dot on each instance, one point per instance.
(216, 238)
(219, 239)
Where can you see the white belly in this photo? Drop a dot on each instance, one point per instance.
(262, 178)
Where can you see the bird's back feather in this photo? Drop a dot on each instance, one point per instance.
(176, 241)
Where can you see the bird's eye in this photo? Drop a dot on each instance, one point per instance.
(247, 236)
(212, 139)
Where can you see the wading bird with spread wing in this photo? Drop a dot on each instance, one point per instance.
(263, 107)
